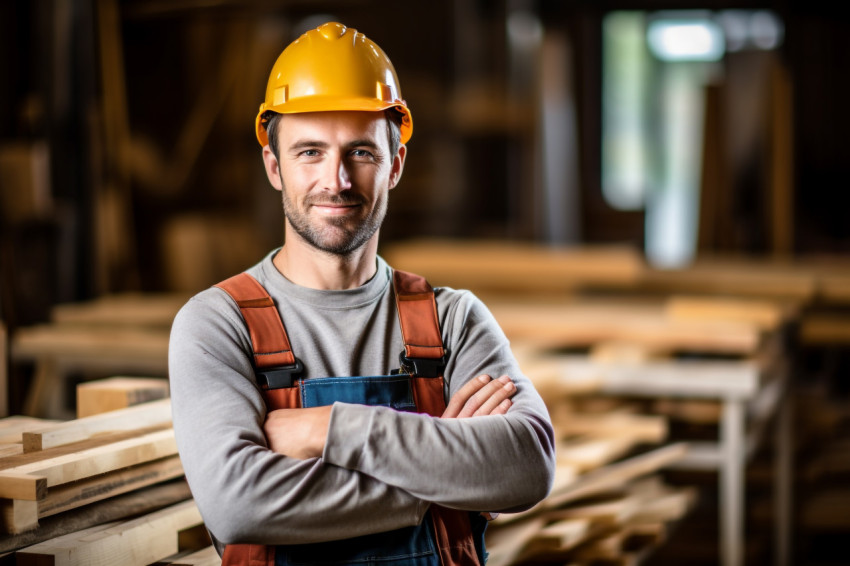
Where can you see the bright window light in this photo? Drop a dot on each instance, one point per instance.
(685, 40)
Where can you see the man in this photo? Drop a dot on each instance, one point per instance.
(308, 452)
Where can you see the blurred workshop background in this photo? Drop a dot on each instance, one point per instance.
(652, 186)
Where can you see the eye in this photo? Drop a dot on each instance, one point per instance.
(310, 153)
(362, 154)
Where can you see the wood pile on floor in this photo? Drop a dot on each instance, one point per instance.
(103, 489)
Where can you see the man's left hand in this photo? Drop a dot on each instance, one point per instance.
(298, 433)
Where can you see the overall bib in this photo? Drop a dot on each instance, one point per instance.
(445, 537)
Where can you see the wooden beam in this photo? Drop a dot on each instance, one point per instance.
(18, 516)
(87, 463)
(12, 427)
(204, 557)
(480, 265)
(617, 474)
(129, 505)
(644, 428)
(22, 486)
(103, 486)
(589, 453)
(101, 396)
(136, 542)
(155, 413)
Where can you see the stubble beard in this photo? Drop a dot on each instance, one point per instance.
(332, 236)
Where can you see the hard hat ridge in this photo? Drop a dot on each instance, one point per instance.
(333, 67)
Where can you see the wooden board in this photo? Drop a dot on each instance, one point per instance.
(129, 505)
(98, 460)
(586, 323)
(610, 477)
(132, 347)
(152, 414)
(765, 314)
(644, 428)
(735, 276)
(84, 492)
(136, 542)
(204, 557)
(103, 395)
(498, 265)
(126, 309)
(11, 428)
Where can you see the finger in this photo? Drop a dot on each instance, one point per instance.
(497, 398)
(502, 407)
(495, 387)
(459, 399)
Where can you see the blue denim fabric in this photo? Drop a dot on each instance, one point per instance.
(408, 546)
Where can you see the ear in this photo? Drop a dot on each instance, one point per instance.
(398, 166)
(272, 168)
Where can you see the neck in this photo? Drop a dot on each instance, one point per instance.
(310, 267)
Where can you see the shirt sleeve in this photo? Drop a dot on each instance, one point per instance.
(247, 493)
(490, 463)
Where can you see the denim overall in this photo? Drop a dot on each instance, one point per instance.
(446, 537)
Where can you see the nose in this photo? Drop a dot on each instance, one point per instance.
(336, 177)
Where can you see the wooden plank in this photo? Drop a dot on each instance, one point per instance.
(480, 264)
(87, 463)
(88, 343)
(18, 516)
(506, 542)
(129, 505)
(617, 474)
(152, 414)
(11, 449)
(22, 486)
(84, 492)
(765, 314)
(11, 428)
(101, 396)
(734, 276)
(589, 453)
(136, 542)
(204, 557)
(583, 324)
(124, 309)
(644, 428)
(607, 478)
(698, 411)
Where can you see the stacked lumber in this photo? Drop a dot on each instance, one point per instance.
(106, 488)
(608, 502)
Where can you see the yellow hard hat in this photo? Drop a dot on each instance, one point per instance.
(333, 67)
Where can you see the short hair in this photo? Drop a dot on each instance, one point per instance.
(270, 120)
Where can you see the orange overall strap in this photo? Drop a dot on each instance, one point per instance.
(271, 349)
(268, 336)
(417, 313)
(420, 329)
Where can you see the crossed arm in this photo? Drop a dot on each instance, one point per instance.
(301, 433)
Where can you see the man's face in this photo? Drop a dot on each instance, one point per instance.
(335, 172)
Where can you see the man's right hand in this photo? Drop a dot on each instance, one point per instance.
(481, 396)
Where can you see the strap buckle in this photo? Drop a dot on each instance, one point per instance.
(423, 367)
(277, 378)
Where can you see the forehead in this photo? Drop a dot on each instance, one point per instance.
(333, 127)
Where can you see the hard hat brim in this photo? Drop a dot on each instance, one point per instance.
(331, 104)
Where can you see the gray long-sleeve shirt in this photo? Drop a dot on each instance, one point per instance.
(381, 468)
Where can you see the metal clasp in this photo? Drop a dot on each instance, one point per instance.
(277, 378)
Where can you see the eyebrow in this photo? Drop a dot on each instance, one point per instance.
(309, 144)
